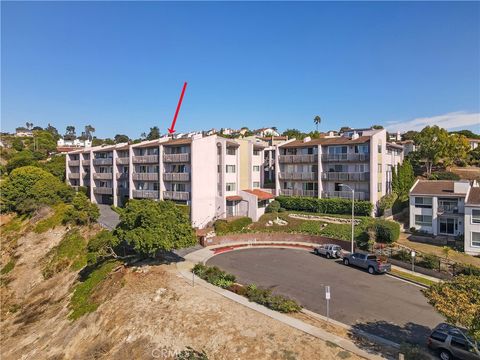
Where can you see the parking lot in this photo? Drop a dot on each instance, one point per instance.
(378, 304)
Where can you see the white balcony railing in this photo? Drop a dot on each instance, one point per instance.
(103, 176)
(145, 194)
(176, 195)
(346, 176)
(306, 176)
(145, 176)
(73, 162)
(74, 176)
(298, 158)
(345, 157)
(86, 162)
(295, 192)
(103, 161)
(146, 159)
(103, 190)
(176, 176)
(184, 157)
(123, 161)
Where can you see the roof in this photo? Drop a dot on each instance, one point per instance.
(341, 140)
(260, 194)
(181, 141)
(435, 187)
(394, 145)
(473, 196)
(266, 138)
(234, 198)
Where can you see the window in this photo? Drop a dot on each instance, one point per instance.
(475, 216)
(379, 148)
(476, 239)
(310, 186)
(436, 335)
(423, 202)
(361, 149)
(337, 149)
(458, 343)
(256, 152)
(256, 168)
(230, 168)
(379, 168)
(423, 220)
(256, 184)
(379, 187)
(219, 168)
(231, 151)
(176, 186)
(230, 187)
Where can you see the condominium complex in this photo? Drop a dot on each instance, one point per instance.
(219, 177)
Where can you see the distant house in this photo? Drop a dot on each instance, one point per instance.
(394, 137)
(473, 143)
(227, 131)
(266, 132)
(23, 132)
(71, 145)
(211, 132)
(408, 146)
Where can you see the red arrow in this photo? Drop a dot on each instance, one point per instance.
(171, 130)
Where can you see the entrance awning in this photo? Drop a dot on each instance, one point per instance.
(234, 198)
(260, 194)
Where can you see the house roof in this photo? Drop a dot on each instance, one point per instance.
(395, 145)
(234, 198)
(260, 194)
(473, 196)
(435, 187)
(341, 140)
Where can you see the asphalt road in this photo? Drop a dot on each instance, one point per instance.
(378, 304)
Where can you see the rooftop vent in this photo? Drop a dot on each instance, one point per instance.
(307, 139)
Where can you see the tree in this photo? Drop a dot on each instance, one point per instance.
(120, 138)
(82, 211)
(52, 130)
(467, 133)
(29, 125)
(55, 166)
(458, 300)
(89, 130)
(70, 133)
(149, 226)
(154, 133)
(344, 128)
(22, 158)
(431, 146)
(403, 178)
(29, 188)
(317, 120)
(456, 150)
(409, 135)
(43, 142)
(101, 247)
(37, 128)
(377, 127)
(17, 144)
(293, 133)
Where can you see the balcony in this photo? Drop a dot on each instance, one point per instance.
(291, 192)
(103, 190)
(176, 195)
(346, 195)
(145, 194)
(346, 176)
(306, 176)
(145, 176)
(313, 158)
(146, 159)
(122, 161)
(447, 209)
(86, 162)
(345, 157)
(74, 176)
(73, 162)
(122, 176)
(103, 161)
(184, 157)
(176, 176)
(103, 176)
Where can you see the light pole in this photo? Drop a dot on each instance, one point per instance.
(353, 213)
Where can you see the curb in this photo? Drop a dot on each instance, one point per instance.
(408, 280)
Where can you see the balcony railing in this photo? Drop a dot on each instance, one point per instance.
(103, 161)
(146, 159)
(74, 176)
(122, 176)
(345, 157)
(145, 176)
(86, 162)
(176, 176)
(345, 195)
(73, 162)
(123, 161)
(103, 176)
(176, 195)
(308, 176)
(298, 158)
(295, 192)
(86, 175)
(346, 176)
(103, 190)
(184, 157)
(447, 209)
(145, 194)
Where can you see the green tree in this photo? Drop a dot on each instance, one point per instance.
(55, 166)
(52, 130)
(43, 142)
(432, 144)
(317, 120)
(456, 150)
(120, 138)
(154, 133)
(458, 300)
(377, 127)
(101, 247)
(82, 211)
(467, 133)
(149, 226)
(20, 159)
(293, 133)
(403, 178)
(409, 135)
(29, 188)
(17, 144)
(70, 134)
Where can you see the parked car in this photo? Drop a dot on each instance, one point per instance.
(369, 262)
(450, 342)
(329, 251)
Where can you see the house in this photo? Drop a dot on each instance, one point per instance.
(23, 132)
(437, 207)
(227, 131)
(266, 132)
(408, 146)
(472, 222)
(473, 143)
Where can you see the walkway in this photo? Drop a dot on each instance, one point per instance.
(109, 219)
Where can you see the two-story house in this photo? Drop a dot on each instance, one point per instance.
(472, 222)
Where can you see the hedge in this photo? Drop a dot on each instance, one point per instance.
(325, 206)
(386, 231)
(223, 227)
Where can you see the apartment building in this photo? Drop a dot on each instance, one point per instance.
(329, 167)
(202, 172)
(472, 222)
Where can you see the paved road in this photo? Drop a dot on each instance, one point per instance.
(378, 304)
(108, 218)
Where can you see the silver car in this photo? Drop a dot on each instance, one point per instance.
(449, 342)
(330, 251)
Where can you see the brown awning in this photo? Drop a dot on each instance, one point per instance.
(234, 198)
(261, 195)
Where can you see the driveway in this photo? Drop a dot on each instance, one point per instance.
(378, 304)
(108, 218)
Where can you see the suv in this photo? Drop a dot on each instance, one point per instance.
(329, 250)
(450, 342)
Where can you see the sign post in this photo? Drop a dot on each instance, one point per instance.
(327, 297)
(413, 260)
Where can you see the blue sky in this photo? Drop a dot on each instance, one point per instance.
(120, 66)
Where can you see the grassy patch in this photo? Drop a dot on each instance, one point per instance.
(8, 267)
(14, 225)
(81, 302)
(412, 277)
(70, 253)
(54, 220)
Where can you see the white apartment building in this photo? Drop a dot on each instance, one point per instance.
(202, 172)
(472, 222)
(329, 167)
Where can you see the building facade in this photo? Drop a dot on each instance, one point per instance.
(472, 222)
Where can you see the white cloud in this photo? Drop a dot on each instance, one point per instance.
(454, 120)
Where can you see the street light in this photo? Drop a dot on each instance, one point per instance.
(353, 211)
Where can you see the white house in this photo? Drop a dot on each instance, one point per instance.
(266, 132)
(472, 222)
(77, 143)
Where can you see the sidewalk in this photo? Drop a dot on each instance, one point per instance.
(431, 278)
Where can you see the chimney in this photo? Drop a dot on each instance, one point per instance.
(355, 136)
(307, 139)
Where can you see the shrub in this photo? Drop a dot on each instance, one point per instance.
(273, 207)
(82, 211)
(52, 221)
(467, 269)
(8, 267)
(101, 246)
(214, 275)
(429, 261)
(223, 227)
(444, 175)
(275, 302)
(386, 231)
(386, 202)
(191, 354)
(325, 206)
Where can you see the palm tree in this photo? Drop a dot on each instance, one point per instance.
(317, 120)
